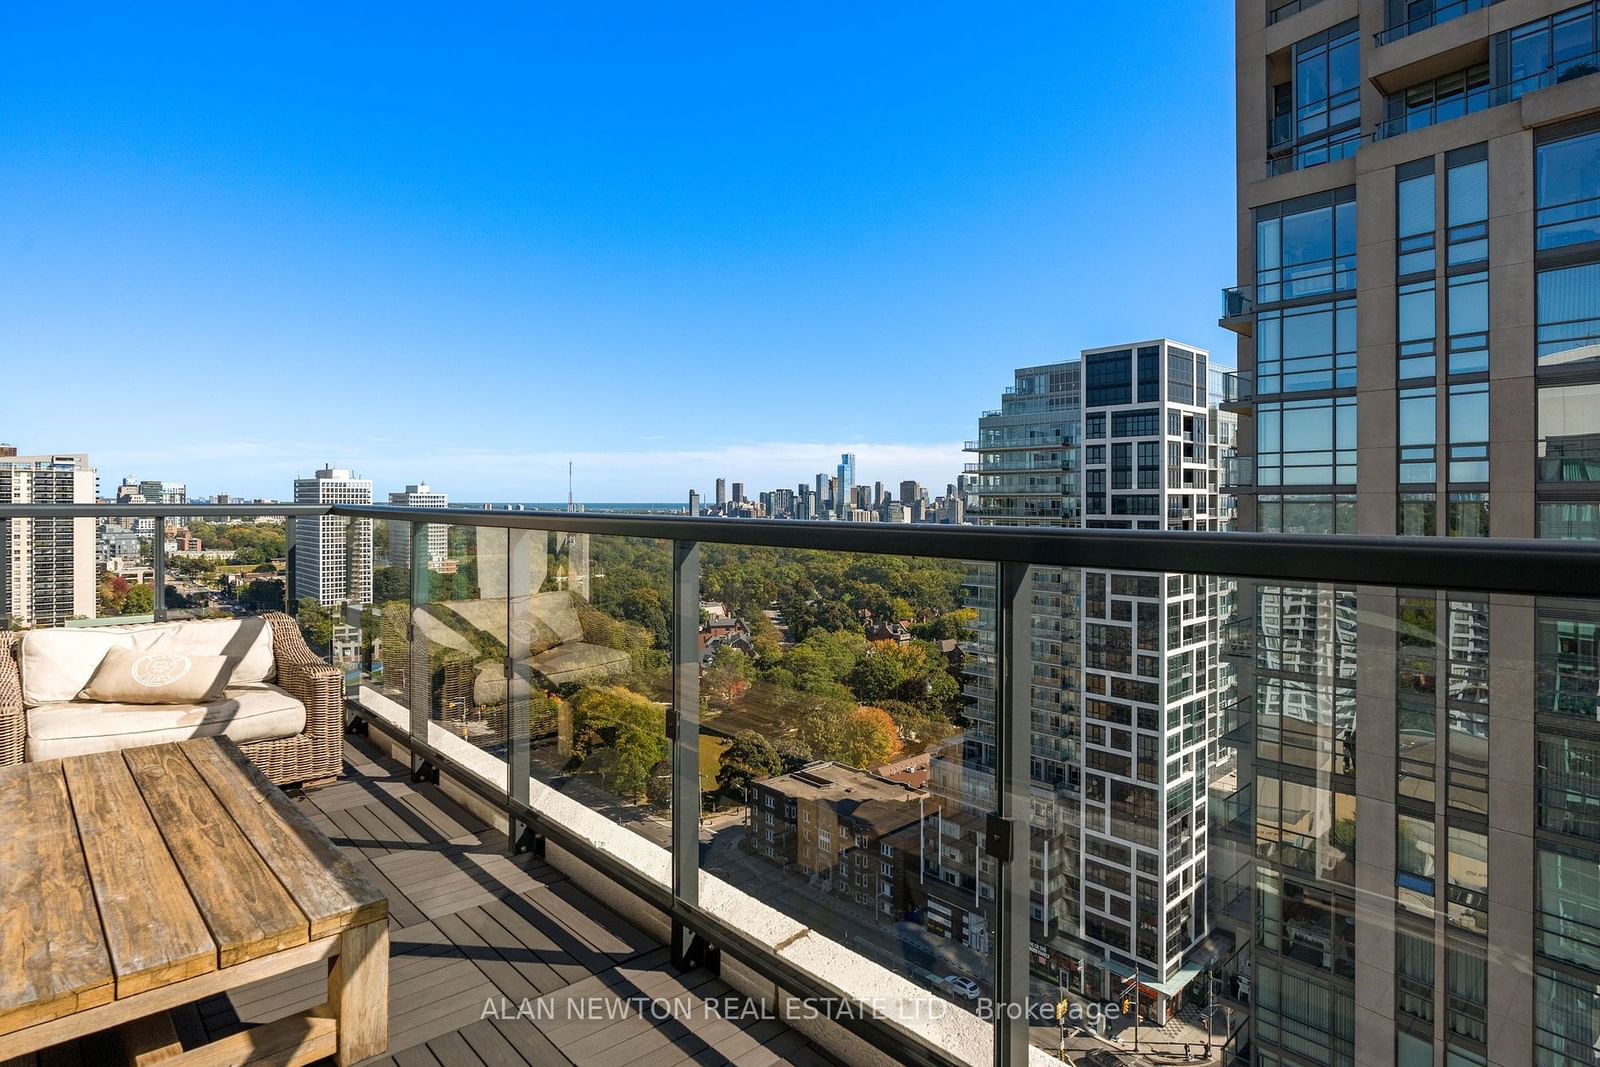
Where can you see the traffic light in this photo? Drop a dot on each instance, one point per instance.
(1063, 1010)
(1127, 1005)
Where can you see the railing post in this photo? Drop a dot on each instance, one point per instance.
(419, 675)
(158, 557)
(519, 676)
(683, 731)
(1007, 840)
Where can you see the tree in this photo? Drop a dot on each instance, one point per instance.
(858, 736)
(316, 621)
(625, 733)
(750, 755)
(141, 600)
(793, 752)
(728, 677)
(870, 738)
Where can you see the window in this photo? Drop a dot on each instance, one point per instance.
(1107, 380)
(1419, 514)
(1569, 433)
(1094, 425)
(1140, 423)
(1466, 971)
(1414, 219)
(1306, 247)
(1413, 975)
(1551, 50)
(1415, 329)
(1181, 378)
(1444, 98)
(1467, 889)
(1469, 323)
(1307, 442)
(1468, 515)
(1414, 863)
(1467, 206)
(1566, 1017)
(1567, 187)
(1569, 315)
(1469, 433)
(1149, 375)
(1567, 671)
(1327, 97)
(1574, 521)
(1569, 785)
(1417, 436)
(1568, 920)
(1308, 347)
(1312, 513)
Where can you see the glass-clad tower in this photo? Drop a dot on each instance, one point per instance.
(1125, 678)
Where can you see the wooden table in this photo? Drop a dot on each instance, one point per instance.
(138, 881)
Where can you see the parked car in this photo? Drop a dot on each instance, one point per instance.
(963, 987)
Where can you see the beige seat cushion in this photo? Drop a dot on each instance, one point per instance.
(254, 712)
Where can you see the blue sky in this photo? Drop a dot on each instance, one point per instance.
(667, 241)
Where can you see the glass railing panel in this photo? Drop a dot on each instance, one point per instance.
(846, 756)
(590, 673)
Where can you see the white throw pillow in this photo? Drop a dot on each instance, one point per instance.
(57, 663)
(247, 642)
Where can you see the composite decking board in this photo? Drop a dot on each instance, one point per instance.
(448, 879)
(496, 1049)
(56, 961)
(402, 913)
(350, 834)
(152, 929)
(417, 1056)
(248, 911)
(320, 878)
(378, 833)
(519, 970)
(602, 929)
(446, 819)
(386, 817)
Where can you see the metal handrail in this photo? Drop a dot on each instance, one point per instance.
(1490, 565)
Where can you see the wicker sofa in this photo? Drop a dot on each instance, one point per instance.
(295, 678)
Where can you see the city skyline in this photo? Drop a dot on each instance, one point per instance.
(683, 218)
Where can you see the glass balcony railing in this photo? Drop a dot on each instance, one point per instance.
(1436, 15)
(1238, 302)
(1485, 97)
(1237, 389)
(1336, 146)
(1238, 472)
(757, 729)
(1293, 7)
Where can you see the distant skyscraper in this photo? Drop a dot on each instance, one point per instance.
(156, 492)
(329, 566)
(46, 565)
(909, 491)
(822, 492)
(722, 493)
(847, 480)
(418, 496)
(738, 492)
(694, 502)
(878, 496)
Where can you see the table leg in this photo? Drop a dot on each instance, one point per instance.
(358, 992)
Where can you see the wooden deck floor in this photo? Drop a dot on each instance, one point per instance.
(468, 925)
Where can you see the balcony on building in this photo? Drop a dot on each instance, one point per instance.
(1238, 310)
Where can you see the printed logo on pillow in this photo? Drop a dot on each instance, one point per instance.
(155, 669)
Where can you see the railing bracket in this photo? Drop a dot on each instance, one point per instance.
(426, 772)
(529, 842)
(690, 950)
(357, 726)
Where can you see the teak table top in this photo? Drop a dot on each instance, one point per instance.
(123, 872)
